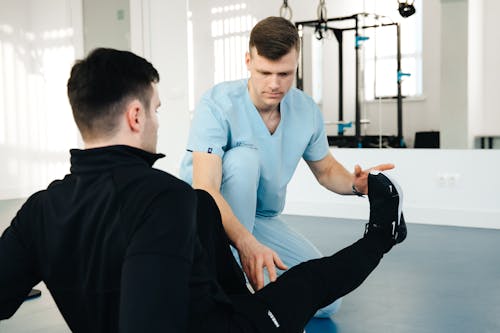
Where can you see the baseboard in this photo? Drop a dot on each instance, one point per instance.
(413, 213)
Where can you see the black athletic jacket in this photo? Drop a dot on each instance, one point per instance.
(115, 243)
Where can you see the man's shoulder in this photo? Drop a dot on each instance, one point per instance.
(155, 180)
(224, 99)
(230, 86)
(298, 96)
(225, 92)
(299, 105)
(166, 178)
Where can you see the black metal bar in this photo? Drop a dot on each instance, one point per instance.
(339, 35)
(400, 98)
(358, 102)
(313, 23)
(344, 18)
(362, 27)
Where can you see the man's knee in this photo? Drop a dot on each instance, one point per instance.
(329, 310)
(241, 162)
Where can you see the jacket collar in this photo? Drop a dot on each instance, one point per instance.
(102, 158)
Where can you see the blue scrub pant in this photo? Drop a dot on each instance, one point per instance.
(240, 180)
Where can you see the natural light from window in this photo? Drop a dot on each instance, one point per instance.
(36, 125)
(230, 28)
(380, 50)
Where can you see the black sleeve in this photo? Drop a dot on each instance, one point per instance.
(157, 267)
(17, 275)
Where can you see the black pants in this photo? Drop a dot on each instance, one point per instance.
(289, 303)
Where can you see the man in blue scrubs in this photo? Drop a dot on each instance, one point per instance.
(246, 140)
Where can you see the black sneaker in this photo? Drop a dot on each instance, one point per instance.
(386, 202)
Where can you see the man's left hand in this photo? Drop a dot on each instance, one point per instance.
(361, 176)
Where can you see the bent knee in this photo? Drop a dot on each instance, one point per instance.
(329, 310)
(241, 161)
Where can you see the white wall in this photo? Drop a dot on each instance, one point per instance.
(476, 71)
(484, 67)
(454, 78)
(106, 23)
(38, 44)
(443, 187)
(469, 72)
(159, 33)
(489, 111)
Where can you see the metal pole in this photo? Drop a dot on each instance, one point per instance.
(358, 104)
(339, 36)
(399, 97)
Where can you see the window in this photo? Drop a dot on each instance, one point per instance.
(380, 53)
(230, 28)
(36, 125)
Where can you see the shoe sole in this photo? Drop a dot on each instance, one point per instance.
(399, 191)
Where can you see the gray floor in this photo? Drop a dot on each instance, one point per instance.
(442, 279)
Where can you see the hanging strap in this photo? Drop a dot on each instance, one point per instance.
(286, 11)
(321, 28)
(322, 14)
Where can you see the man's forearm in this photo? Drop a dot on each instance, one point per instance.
(338, 179)
(236, 232)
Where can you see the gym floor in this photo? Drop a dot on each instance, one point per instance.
(441, 279)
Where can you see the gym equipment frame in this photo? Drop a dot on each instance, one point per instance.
(324, 25)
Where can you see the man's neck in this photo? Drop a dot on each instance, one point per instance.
(271, 118)
(99, 143)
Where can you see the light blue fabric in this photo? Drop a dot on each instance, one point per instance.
(240, 170)
(257, 166)
(226, 118)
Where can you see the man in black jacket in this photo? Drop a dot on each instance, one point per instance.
(125, 247)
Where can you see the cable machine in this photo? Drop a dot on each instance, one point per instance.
(321, 27)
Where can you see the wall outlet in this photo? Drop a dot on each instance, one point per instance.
(448, 179)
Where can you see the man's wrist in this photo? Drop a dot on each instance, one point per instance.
(243, 240)
(356, 192)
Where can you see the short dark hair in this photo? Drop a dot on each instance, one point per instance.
(100, 84)
(273, 37)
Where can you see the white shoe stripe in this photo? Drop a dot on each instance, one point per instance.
(400, 194)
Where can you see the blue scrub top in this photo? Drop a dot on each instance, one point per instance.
(226, 118)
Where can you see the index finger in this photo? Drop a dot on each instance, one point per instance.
(258, 275)
(271, 269)
(383, 167)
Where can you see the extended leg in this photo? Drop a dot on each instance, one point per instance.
(298, 293)
(292, 247)
(305, 288)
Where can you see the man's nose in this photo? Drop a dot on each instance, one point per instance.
(274, 82)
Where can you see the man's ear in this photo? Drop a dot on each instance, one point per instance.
(134, 115)
(248, 58)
